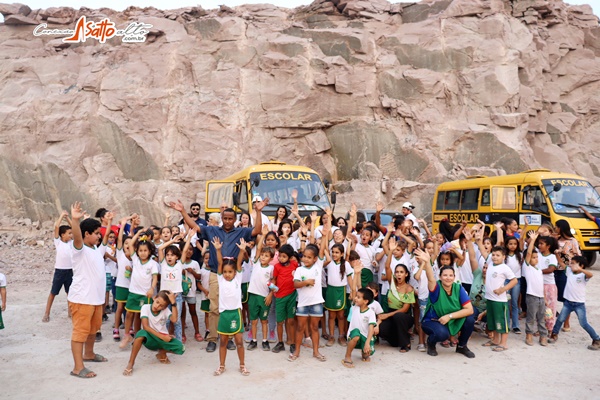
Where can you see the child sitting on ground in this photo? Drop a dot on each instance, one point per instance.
(361, 329)
(154, 334)
(577, 278)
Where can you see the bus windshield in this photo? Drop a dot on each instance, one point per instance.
(573, 194)
(278, 186)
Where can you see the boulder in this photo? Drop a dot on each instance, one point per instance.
(15, 19)
(14, 8)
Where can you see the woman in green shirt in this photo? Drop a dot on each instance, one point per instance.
(394, 326)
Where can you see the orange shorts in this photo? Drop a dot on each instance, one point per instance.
(87, 320)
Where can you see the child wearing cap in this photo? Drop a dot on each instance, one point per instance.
(407, 208)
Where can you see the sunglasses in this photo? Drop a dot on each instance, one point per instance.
(195, 209)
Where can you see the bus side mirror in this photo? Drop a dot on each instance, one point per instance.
(236, 199)
(333, 197)
(255, 182)
(557, 187)
(526, 189)
(327, 183)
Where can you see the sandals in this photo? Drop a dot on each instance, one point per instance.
(489, 343)
(243, 370)
(347, 364)
(446, 344)
(84, 373)
(320, 357)
(325, 336)
(219, 370)
(343, 342)
(116, 335)
(97, 358)
(499, 348)
(198, 337)
(163, 360)
(330, 342)
(127, 371)
(292, 358)
(183, 339)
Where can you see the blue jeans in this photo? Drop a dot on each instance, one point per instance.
(579, 308)
(438, 332)
(514, 304)
(179, 301)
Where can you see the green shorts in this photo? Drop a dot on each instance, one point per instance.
(151, 342)
(1, 321)
(245, 292)
(384, 303)
(497, 316)
(205, 305)
(136, 301)
(121, 294)
(230, 322)
(366, 277)
(108, 281)
(335, 298)
(257, 309)
(361, 340)
(285, 307)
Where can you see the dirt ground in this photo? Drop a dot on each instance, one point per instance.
(35, 359)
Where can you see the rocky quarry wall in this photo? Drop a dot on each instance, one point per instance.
(360, 91)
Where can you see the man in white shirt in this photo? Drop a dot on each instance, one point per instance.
(408, 214)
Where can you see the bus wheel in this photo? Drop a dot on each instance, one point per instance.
(591, 257)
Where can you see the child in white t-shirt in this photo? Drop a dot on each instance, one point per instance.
(154, 334)
(124, 252)
(536, 304)
(63, 270)
(361, 329)
(202, 286)
(260, 295)
(192, 272)
(496, 300)
(2, 297)
(110, 269)
(230, 306)
(577, 278)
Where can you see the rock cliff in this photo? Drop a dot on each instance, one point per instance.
(361, 91)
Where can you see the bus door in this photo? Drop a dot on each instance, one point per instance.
(217, 193)
(534, 208)
(503, 202)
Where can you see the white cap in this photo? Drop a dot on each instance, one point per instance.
(256, 198)
(408, 205)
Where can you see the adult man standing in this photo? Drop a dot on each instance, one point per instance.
(407, 212)
(230, 236)
(195, 215)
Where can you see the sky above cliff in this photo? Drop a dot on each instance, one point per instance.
(207, 4)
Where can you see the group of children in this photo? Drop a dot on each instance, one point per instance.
(361, 273)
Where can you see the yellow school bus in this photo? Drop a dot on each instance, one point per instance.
(534, 196)
(272, 179)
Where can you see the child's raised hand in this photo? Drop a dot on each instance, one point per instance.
(356, 265)
(265, 230)
(468, 234)
(76, 210)
(415, 231)
(328, 211)
(216, 242)
(242, 244)
(313, 217)
(352, 211)
(422, 256)
(390, 226)
(379, 206)
(294, 194)
(392, 244)
(64, 214)
(167, 215)
(261, 204)
(498, 225)
(171, 296)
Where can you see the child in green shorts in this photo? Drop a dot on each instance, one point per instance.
(154, 333)
(230, 305)
(361, 329)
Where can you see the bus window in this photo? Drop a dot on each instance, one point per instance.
(485, 197)
(469, 199)
(439, 205)
(504, 197)
(534, 200)
(242, 188)
(452, 200)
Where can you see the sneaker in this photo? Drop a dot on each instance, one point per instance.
(248, 337)
(252, 345)
(595, 345)
(464, 350)
(272, 337)
(265, 346)
(292, 348)
(431, 350)
(104, 317)
(421, 347)
(278, 347)
(211, 347)
(98, 336)
(231, 345)
(517, 331)
(116, 336)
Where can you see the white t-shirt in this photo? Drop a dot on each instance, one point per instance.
(264, 220)
(110, 267)
(575, 288)
(376, 307)
(310, 295)
(535, 280)
(141, 276)
(170, 276)
(412, 217)
(193, 264)
(122, 263)
(157, 322)
(367, 255)
(333, 274)
(422, 284)
(319, 231)
(63, 254)
(204, 281)
(2, 280)
(382, 277)
(230, 293)
(545, 262)
(513, 264)
(259, 281)
(361, 320)
(495, 277)
(465, 273)
(89, 278)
